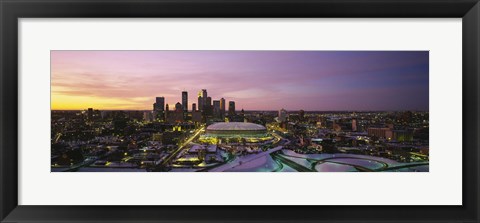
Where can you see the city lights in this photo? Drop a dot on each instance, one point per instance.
(240, 111)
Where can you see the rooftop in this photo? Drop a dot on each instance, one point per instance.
(238, 126)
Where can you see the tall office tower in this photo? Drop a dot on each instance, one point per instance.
(194, 107)
(159, 108)
(204, 94)
(222, 106)
(216, 108)
(209, 101)
(200, 101)
(231, 108)
(159, 104)
(282, 115)
(185, 101)
(204, 98)
(208, 106)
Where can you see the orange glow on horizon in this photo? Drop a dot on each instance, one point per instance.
(68, 102)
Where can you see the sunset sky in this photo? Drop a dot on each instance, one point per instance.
(255, 80)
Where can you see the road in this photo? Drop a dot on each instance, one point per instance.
(290, 163)
(238, 162)
(77, 166)
(181, 147)
(231, 163)
(405, 166)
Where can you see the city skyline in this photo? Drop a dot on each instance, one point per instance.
(255, 80)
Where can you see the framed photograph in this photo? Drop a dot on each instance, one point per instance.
(228, 111)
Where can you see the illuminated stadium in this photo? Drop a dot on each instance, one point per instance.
(227, 129)
(232, 130)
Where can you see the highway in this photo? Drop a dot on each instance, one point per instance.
(290, 163)
(385, 167)
(238, 162)
(405, 166)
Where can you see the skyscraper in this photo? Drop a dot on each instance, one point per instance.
(222, 107)
(204, 98)
(208, 106)
(200, 101)
(159, 108)
(216, 108)
(159, 104)
(185, 101)
(231, 108)
(194, 107)
(204, 94)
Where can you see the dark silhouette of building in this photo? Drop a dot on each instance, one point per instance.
(216, 108)
(222, 107)
(159, 108)
(208, 106)
(178, 107)
(185, 101)
(231, 108)
(159, 104)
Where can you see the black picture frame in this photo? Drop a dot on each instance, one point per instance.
(12, 10)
